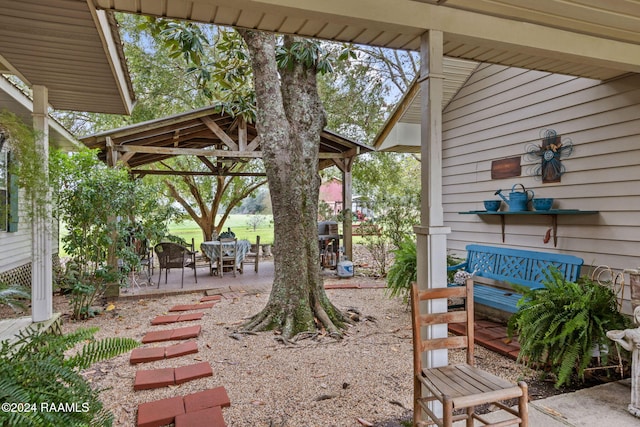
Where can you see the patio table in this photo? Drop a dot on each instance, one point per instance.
(212, 250)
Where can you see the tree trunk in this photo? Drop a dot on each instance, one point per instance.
(289, 121)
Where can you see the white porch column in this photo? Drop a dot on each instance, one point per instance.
(41, 249)
(431, 233)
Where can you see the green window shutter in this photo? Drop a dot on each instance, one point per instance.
(13, 198)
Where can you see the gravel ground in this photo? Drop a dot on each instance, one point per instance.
(363, 379)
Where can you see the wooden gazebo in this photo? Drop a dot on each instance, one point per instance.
(220, 141)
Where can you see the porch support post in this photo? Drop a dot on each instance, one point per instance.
(431, 233)
(347, 198)
(41, 245)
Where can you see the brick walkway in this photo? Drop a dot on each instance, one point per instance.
(203, 409)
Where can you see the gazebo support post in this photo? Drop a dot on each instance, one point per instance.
(347, 197)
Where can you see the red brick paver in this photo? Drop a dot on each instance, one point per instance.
(210, 417)
(211, 298)
(187, 307)
(141, 355)
(206, 399)
(190, 316)
(192, 372)
(181, 349)
(172, 334)
(186, 333)
(154, 378)
(166, 411)
(156, 336)
(161, 320)
(173, 318)
(160, 412)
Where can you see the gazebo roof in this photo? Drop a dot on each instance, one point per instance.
(205, 133)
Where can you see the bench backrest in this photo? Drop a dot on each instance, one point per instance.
(518, 266)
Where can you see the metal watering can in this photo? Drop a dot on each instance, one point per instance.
(517, 199)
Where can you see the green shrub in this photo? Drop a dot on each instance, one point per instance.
(558, 326)
(35, 371)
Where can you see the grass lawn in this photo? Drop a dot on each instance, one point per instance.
(239, 224)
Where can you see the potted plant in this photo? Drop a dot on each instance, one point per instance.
(558, 326)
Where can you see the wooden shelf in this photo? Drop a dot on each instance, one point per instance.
(553, 213)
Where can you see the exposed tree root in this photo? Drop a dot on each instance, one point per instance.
(299, 324)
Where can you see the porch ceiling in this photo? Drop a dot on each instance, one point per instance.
(69, 47)
(586, 38)
(18, 103)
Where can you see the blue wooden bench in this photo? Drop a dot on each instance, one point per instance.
(494, 268)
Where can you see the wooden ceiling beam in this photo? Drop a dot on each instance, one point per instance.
(208, 163)
(226, 139)
(188, 151)
(143, 172)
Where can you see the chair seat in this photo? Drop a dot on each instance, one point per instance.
(467, 386)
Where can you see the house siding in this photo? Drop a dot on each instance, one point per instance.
(15, 247)
(498, 113)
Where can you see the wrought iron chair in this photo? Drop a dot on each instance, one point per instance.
(252, 257)
(227, 256)
(172, 255)
(145, 256)
(459, 387)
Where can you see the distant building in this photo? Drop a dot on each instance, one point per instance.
(331, 194)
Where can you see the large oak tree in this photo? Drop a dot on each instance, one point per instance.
(289, 120)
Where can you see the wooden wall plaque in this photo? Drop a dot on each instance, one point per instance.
(506, 168)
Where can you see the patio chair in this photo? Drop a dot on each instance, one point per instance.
(252, 257)
(172, 255)
(227, 255)
(145, 256)
(460, 387)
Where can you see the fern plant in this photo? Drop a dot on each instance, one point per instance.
(14, 296)
(404, 270)
(35, 371)
(559, 325)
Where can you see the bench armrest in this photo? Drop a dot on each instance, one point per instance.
(461, 266)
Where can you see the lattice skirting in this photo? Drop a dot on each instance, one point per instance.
(22, 275)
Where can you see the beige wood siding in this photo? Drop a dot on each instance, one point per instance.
(498, 113)
(15, 247)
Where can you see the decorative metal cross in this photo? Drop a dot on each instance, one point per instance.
(550, 152)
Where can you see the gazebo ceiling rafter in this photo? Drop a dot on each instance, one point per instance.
(219, 140)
